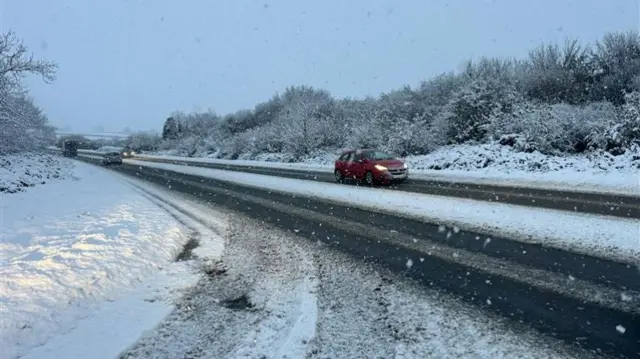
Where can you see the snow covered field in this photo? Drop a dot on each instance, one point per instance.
(605, 236)
(74, 250)
(493, 163)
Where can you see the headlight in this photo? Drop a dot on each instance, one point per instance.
(380, 168)
(405, 166)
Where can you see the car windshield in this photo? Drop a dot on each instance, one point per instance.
(378, 156)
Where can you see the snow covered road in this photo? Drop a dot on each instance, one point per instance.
(604, 236)
(614, 196)
(556, 291)
(277, 295)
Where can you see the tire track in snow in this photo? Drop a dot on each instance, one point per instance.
(277, 320)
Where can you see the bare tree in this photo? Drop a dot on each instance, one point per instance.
(23, 126)
(16, 62)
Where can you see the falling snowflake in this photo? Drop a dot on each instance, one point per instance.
(621, 329)
(489, 301)
(409, 263)
(456, 230)
(486, 242)
(442, 228)
(625, 297)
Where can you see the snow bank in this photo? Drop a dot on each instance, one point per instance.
(69, 245)
(494, 163)
(504, 159)
(21, 171)
(294, 166)
(605, 236)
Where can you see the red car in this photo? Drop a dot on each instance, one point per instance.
(370, 166)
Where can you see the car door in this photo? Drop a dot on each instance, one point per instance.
(348, 165)
(341, 163)
(357, 166)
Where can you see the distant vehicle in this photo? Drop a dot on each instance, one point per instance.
(111, 158)
(370, 166)
(70, 148)
(128, 153)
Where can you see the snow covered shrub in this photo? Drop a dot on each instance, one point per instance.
(518, 142)
(143, 141)
(265, 139)
(472, 109)
(617, 60)
(554, 74)
(469, 112)
(554, 129)
(621, 132)
(630, 119)
(233, 147)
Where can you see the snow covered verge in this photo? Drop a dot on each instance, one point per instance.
(21, 171)
(73, 246)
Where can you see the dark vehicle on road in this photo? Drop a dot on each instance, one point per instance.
(111, 158)
(70, 148)
(370, 166)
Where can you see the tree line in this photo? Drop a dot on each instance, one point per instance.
(560, 99)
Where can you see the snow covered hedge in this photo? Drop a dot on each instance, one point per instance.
(559, 101)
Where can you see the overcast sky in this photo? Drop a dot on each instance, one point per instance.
(132, 62)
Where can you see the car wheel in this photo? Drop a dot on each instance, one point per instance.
(368, 178)
(339, 176)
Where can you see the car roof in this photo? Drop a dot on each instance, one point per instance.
(358, 150)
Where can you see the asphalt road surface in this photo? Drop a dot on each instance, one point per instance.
(594, 203)
(589, 302)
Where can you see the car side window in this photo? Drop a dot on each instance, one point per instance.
(344, 156)
(352, 157)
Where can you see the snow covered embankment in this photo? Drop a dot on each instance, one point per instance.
(495, 163)
(19, 172)
(71, 244)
